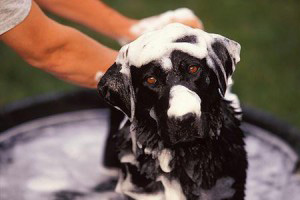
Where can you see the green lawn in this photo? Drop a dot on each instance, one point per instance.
(268, 76)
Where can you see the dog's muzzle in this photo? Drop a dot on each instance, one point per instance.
(183, 102)
(184, 112)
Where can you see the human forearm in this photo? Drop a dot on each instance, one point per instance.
(98, 16)
(94, 14)
(79, 58)
(58, 49)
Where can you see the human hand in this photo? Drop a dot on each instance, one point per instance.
(181, 15)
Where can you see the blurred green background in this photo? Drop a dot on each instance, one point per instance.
(268, 76)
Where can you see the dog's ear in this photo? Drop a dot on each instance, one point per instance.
(228, 55)
(115, 88)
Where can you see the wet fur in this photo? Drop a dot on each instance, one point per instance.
(198, 164)
(203, 151)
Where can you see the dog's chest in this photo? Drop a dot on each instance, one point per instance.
(169, 178)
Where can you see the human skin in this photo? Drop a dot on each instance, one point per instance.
(58, 49)
(93, 14)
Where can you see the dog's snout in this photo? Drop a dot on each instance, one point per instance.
(182, 102)
(183, 129)
(172, 78)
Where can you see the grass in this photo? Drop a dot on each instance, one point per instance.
(268, 76)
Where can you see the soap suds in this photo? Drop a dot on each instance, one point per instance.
(183, 101)
(98, 76)
(164, 159)
(159, 44)
(159, 21)
(128, 158)
(233, 98)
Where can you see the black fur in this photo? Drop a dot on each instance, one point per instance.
(189, 39)
(203, 149)
(224, 56)
(115, 89)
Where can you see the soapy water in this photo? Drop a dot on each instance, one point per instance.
(59, 157)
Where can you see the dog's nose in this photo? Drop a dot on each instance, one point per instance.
(183, 129)
(182, 102)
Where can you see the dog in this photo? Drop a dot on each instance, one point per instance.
(182, 140)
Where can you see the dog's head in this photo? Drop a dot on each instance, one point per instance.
(173, 76)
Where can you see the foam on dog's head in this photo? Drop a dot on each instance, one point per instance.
(158, 46)
(220, 54)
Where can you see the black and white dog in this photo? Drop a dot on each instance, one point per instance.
(182, 140)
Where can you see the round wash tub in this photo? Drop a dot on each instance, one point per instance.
(51, 148)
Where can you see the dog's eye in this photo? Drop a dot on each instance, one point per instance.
(151, 80)
(193, 69)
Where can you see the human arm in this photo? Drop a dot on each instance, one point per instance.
(98, 16)
(94, 14)
(58, 49)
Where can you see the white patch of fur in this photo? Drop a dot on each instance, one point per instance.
(183, 101)
(164, 158)
(172, 189)
(222, 190)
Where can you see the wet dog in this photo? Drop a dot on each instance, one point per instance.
(182, 139)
